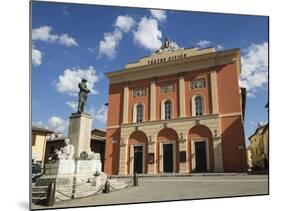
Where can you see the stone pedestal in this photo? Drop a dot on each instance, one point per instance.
(88, 166)
(79, 132)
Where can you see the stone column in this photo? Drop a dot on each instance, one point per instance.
(151, 149)
(182, 147)
(125, 104)
(79, 132)
(152, 100)
(122, 159)
(182, 96)
(214, 91)
(218, 162)
(193, 157)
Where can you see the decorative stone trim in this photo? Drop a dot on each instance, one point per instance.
(182, 96)
(189, 64)
(125, 104)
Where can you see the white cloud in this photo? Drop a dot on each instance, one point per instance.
(254, 74)
(148, 35)
(99, 115)
(64, 11)
(56, 124)
(110, 43)
(44, 34)
(160, 15)
(203, 43)
(219, 47)
(66, 40)
(68, 82)
(72, 104)
(124, 23)
(36, 56)
(39, 124)
(92, 50)
(108, 46)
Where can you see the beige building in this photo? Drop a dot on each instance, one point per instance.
(39, 139)
(249, 157)
(259, 148)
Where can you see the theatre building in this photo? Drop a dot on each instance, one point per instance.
(179, 110)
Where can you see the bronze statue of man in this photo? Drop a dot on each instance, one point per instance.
(83, 95)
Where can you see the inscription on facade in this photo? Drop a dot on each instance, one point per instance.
(167, 88)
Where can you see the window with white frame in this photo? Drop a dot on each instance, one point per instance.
(139, 113)
(198, 105)
(167, 110)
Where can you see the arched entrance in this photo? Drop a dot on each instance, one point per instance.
(167, 151)
(137, 153)
(200, 148)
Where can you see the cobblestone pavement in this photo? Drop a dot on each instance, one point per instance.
(176, 188)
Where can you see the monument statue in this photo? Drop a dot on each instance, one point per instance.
(66, 152)
(83, 95)
(93, 155)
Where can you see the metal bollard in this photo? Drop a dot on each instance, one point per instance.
(51, 194)
(106, 187)
(136, 182)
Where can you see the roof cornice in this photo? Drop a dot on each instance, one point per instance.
(186, 64)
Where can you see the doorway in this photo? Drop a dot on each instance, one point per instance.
(168, 158)
(200, 156)
(138, 159)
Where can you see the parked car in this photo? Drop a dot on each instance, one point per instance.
(36, 171)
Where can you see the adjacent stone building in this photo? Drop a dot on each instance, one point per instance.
(259, 148)
(39, 139)
(179, 110)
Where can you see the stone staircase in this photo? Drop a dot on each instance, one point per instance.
(39, 194)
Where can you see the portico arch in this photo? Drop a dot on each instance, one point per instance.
(167, 151)
(137, 152)
(200, 149)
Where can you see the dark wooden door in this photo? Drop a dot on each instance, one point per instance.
(138, 157)
(200, 156)
(168, 157)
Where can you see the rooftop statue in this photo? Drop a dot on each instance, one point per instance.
(83, 95)
(167, 45)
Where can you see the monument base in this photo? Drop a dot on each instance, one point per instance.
(62, 167)
(70, 186)
(74, 178)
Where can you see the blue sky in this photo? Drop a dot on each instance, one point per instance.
(70, 41)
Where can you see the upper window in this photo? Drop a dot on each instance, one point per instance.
(197, 84)
(167, 110)
(198, 101)
(139, 113)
